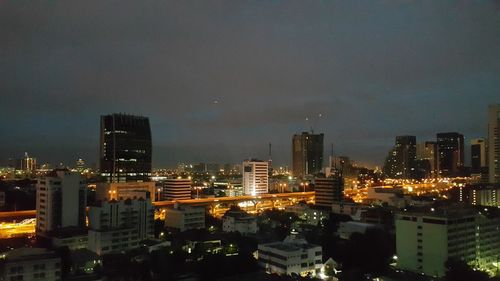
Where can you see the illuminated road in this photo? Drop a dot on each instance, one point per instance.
(23, 228)
(217, 206)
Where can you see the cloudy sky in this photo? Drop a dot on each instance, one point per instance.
(372, 69)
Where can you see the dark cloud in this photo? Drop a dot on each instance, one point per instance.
(373, 69)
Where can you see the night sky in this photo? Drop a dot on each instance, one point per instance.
(219, 80)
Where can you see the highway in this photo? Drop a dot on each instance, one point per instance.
(28, 214)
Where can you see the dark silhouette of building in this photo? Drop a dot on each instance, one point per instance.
(494, 143)
(125, 148)
(329, 190)
(401, 161)
(427, 159)
(450, 154)
(307, 154)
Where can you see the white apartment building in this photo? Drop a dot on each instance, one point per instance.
(293, 255)
(60, 201)
(255, 177)
(239, 221)
(120, 225)
(30, 264)
(185, 218)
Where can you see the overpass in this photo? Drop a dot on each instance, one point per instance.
(276, 199)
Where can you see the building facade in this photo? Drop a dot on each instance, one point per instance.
(329, 190)
(125, 190)
(292, 256)
(185, 218)
(60, 202)
(125, 148)
(255, 177)
(426, 240)
(401, 161)
(176, 189)
(427, 151)
(119, 225)
(450, 154)
(30, 264)
(307, 154)
(239, 221)
(494, 143)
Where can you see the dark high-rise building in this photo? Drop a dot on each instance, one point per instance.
(329, 190)
(307, 154)
(401, 161)
(427, 159)
(450, 154)
(494, 143)
(478, 152)
(125, 148)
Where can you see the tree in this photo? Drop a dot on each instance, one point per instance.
(458, 270)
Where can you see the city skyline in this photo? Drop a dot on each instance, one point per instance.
(219, 82)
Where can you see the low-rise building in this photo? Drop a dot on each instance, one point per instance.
(184, 217)
(310, 215)
(293, 255)
(30, 264)
(239, 221)
(347, 228)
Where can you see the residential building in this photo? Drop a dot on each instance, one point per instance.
(307, 154)
(426, 240)
(125, 148)
(60, 202)
(185, 218)
(175, 189)
(329, 190)
(255, 177)
(30, 264)
(119, 225)
(450, 154)
(494, 143)
(292, 256)
(239, 221)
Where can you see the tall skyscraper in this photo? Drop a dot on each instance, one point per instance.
(494, 143)
(450, 154)
(478, 156)
(60, 201)
(255, 177)
(125, 148)
(401, 161)
(307, 154)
